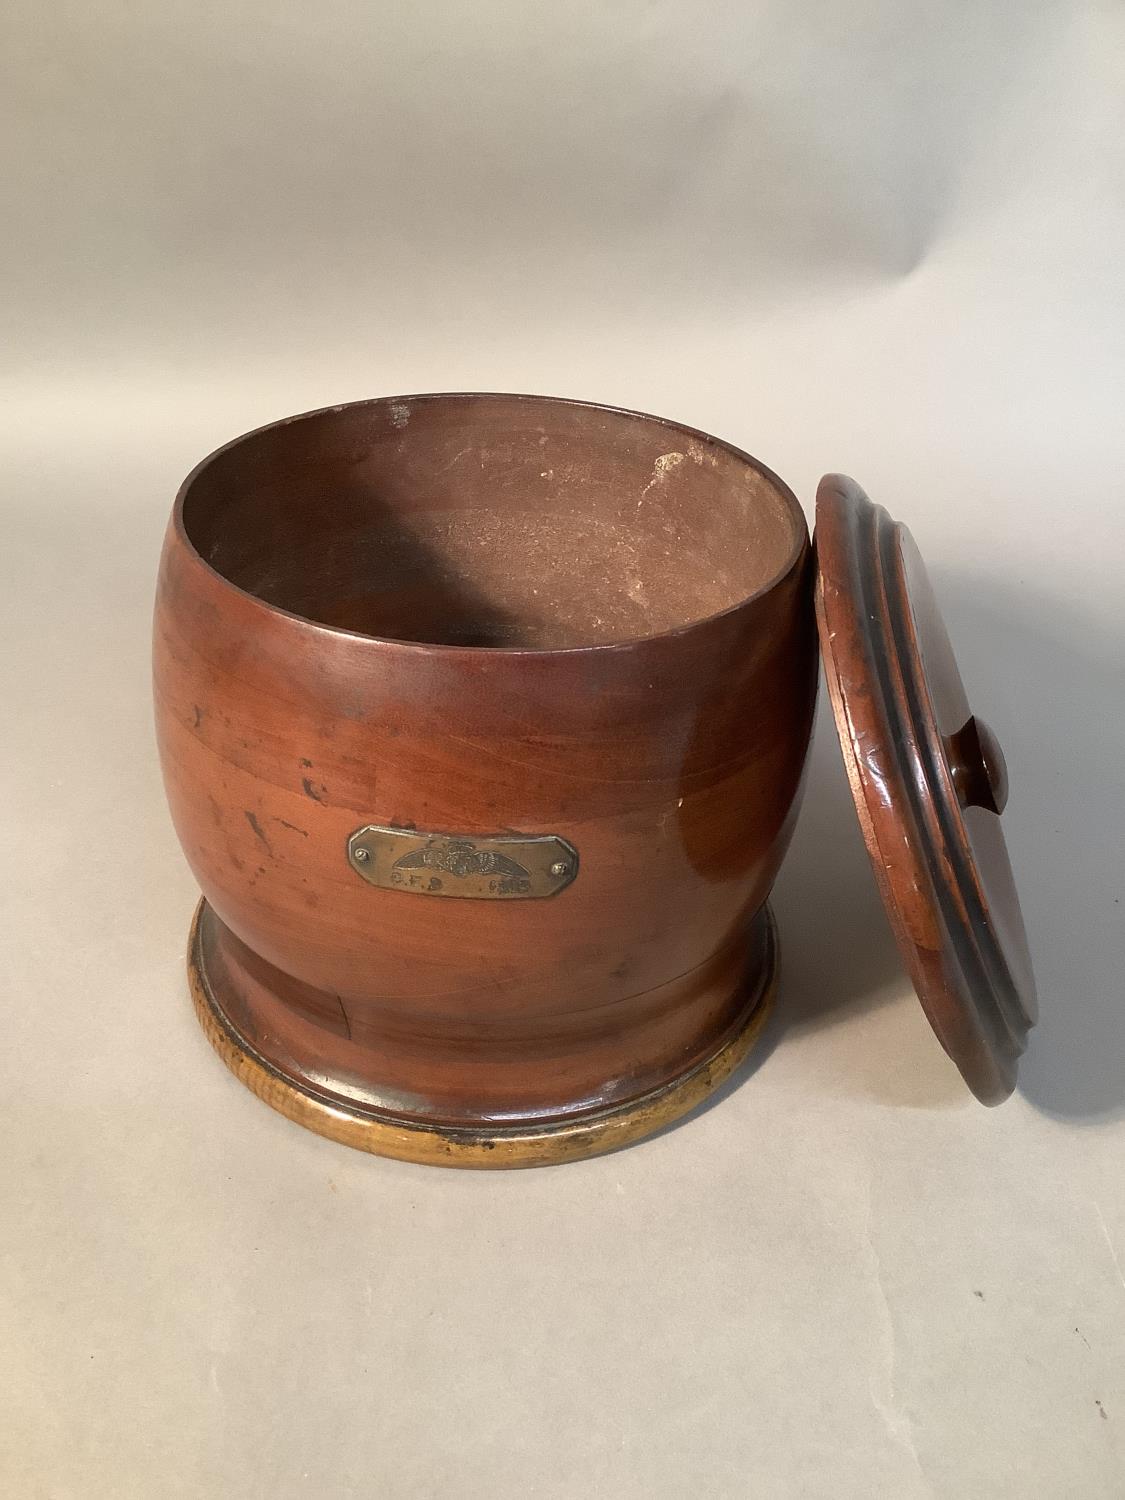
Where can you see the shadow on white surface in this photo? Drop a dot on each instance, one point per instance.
(1053, 689)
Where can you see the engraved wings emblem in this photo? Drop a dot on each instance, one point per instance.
(459, 858)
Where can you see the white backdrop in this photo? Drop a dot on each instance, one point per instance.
(872, 237)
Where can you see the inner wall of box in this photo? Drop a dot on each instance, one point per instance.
(489, 521)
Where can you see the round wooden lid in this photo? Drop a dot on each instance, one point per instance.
(929, 784)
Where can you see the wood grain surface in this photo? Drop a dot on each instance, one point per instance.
(929, 782)
(484, 615)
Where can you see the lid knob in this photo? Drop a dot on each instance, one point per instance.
(977, 766)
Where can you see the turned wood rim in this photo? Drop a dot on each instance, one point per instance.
(793, 560)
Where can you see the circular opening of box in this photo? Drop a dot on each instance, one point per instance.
(494, 521)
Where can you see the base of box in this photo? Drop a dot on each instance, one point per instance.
(490, 1145)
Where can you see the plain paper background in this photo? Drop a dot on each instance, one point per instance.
(872, 237)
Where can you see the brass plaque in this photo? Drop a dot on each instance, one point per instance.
(495, 867)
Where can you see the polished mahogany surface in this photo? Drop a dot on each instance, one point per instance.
(930, 784)
(479, 615)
